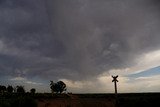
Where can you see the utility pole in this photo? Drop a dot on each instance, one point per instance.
(115, 86)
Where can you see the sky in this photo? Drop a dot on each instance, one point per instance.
(81, 42)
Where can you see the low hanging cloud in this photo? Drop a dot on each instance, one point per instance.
(104, 35)
(76, 39)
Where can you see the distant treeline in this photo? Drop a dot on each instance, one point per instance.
(11, 89)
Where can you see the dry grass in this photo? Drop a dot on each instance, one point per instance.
(75, 101)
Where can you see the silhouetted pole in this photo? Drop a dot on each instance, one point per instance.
(115, 86)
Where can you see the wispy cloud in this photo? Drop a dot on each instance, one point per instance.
(24, 80)
(18, 79)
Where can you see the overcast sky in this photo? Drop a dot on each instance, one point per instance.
(82, 42)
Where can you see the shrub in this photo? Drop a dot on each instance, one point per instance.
(24, 102)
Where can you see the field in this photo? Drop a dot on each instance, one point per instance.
(102, 100)
(80, 100)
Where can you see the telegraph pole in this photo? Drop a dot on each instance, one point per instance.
(115, 86)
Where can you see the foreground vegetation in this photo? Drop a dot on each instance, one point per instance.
(124, 100)
(17, 100)
(139, 99)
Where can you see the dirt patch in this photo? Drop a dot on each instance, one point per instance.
(75, 101)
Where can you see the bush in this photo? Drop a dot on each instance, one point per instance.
(11, 100)
(4, 103)
(24, 102)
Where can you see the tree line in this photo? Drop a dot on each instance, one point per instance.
(17, 89)
(56, 87)
(17, 96)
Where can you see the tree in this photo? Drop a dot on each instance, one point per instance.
(2, 89)
(58, 87)
(33, 90)
(20, 89)
(61, 86)
(53, 87)
(9, 89)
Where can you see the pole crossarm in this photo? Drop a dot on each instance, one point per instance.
(114, 78)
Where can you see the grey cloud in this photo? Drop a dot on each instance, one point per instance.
(75, 39)
(89, 29)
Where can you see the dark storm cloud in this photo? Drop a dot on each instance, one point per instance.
(75, 39)
(25, 37)
(105, 34)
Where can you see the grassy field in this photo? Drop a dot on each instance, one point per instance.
(79, 100)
